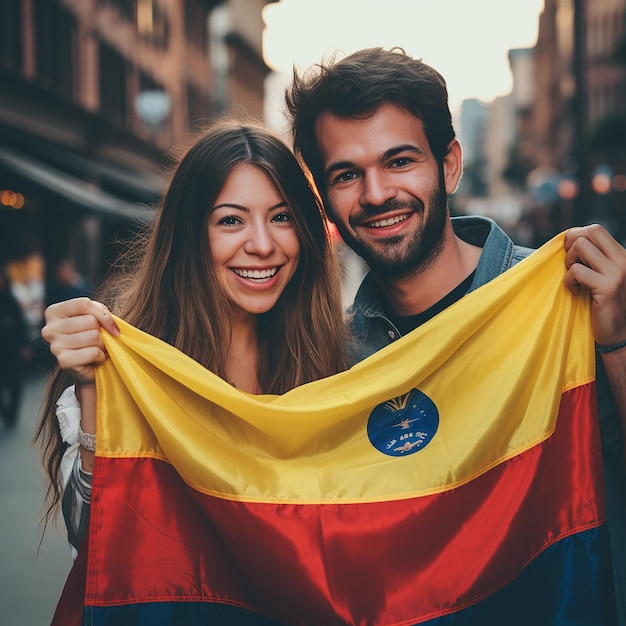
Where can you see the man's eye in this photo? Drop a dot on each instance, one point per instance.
(344, 177)
(400, 162)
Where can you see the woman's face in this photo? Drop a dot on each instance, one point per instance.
(254, 245)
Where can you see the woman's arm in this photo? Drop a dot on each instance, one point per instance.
(76, 503)
(76, 481)
(87, 398)
(73, 331)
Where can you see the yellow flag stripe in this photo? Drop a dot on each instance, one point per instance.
(494, 364)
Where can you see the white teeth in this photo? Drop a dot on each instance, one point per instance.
(389, 221)
(256, 274)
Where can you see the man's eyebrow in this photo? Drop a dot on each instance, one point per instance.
(340, 165)
(388, 154)
(407, 147)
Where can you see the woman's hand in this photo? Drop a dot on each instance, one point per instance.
(72, 330)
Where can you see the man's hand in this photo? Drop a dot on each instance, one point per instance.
(596, 261)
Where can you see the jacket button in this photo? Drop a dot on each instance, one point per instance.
(391, 334)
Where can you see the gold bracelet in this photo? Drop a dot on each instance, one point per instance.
(86, 440)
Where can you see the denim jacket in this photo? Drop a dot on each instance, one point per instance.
(372, 330)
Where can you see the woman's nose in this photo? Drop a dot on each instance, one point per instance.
(260, 241)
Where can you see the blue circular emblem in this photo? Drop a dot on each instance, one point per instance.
(403, 425)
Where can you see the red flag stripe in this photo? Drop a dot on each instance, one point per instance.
(379, 563)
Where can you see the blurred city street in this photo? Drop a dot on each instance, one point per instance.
(30, 581)
(100, 100)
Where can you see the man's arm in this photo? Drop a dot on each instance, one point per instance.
(596, 261)
(615, 368)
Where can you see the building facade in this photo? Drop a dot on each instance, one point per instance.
(577, 126)
(94, 94)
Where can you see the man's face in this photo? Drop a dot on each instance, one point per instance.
(386, 193)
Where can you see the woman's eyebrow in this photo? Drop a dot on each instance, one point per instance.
(233, 205)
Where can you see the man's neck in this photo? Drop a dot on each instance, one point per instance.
(415, 293)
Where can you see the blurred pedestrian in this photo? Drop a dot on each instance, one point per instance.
(14, 352)
(66, 283)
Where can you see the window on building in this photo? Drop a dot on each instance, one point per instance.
(152, 24)
(127, 8)
(199, 107)
(55, 42)
(113, 85)
(608, 36)
(196, 19)
(11, 35)
(153, 104)
(595, 39)
(605, 96)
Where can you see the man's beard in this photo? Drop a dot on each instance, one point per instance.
(396, 257)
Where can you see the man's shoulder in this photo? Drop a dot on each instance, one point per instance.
(473, 229)
(499, 252)
(367, 304)
(520, 253)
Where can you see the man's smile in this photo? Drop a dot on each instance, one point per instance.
(388, 221)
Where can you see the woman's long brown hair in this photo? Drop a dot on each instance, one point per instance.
(168, 288)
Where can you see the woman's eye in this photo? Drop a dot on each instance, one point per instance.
(282, 217)
(229, 220)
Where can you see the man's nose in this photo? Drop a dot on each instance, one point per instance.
(377, 189)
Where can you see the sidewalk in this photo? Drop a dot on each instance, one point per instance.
(30, 583)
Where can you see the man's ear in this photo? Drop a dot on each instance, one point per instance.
(453, 166)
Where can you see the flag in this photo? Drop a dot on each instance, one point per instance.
(454, 477)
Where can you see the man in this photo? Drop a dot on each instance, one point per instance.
(375, 131)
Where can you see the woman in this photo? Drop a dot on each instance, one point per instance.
(236, 271)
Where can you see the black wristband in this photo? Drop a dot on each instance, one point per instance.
(615, 346)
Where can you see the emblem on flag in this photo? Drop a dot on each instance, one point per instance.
(403, 425)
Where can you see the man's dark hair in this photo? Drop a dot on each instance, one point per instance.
(356, 86)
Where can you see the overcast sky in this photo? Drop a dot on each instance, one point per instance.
(466, 40)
